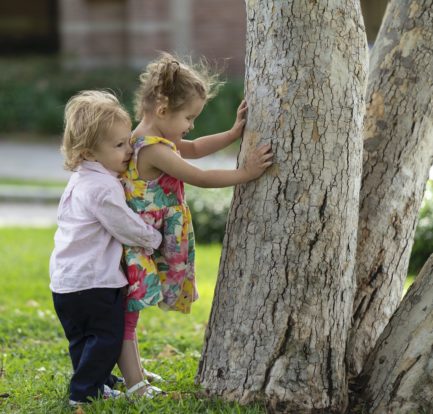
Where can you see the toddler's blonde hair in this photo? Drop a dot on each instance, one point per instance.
(88, 117)
(169, 80)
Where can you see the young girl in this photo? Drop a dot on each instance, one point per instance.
(93, 222)
(171, 96)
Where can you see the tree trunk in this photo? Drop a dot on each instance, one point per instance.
(398, 376)
(284, 296)
(398, 152)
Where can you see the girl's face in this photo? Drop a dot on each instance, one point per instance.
(114, 150)
(178, 123)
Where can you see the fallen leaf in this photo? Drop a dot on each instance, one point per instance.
(32, 303)
(79, 410)
(169, 351)
(176, 395)
(195, 354)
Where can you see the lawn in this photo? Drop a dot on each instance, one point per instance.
(34, 364)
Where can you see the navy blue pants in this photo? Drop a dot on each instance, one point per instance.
(93, 321)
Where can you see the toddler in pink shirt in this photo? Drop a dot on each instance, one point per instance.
(93, 222)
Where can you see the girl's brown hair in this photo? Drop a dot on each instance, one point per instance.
(88, 116)
(169, 80)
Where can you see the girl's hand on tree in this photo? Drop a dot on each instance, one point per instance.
(238, 126)
(258, 161)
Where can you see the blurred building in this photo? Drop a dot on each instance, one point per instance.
(98, 33)
(95, 33)
(28, 26)
(112, 32)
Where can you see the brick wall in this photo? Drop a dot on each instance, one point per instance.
(218, 28)
(92, 33)
(130, 32)
(148, 30)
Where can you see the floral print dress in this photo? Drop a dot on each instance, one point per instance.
(166, 278)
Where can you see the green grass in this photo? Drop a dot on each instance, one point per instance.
(34, 363)
(32, 183)
(408, 282)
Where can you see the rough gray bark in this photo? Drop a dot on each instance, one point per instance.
(284, 296)
(398, 152)
(398, 376)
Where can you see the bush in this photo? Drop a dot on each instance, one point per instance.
(423, 243)
(209, 209)
(35, 90)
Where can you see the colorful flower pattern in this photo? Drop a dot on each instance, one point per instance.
(167, 278)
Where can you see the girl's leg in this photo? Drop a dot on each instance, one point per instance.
(137, 352)
(129, 364)
(148, 375)
(129, 360)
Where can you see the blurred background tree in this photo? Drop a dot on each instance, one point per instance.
(373, 11)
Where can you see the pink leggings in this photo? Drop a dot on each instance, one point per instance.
(131, 319)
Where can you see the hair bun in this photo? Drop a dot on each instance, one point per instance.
(168, 72)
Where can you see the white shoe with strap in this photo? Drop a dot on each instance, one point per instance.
(149, 392)
(151, 376)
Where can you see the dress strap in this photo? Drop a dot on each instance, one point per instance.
(144, 141)
(141, 142)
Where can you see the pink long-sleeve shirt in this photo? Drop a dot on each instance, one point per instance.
(93, 222)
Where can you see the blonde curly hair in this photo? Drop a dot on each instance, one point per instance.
(170, 80)
(88, 116)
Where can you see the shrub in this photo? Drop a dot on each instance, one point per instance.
(423, 243)
(209, 209)
(35, 90)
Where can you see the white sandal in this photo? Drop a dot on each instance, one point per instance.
(149, 392)
(151, 376)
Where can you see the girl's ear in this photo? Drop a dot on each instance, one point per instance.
(161, 106)
(161, 110)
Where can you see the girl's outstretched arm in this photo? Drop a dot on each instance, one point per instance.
(165, 159)
(209, 144)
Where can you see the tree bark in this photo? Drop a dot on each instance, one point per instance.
(398, 376)
(284, 296)
(398, 152)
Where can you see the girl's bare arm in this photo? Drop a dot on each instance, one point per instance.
(209, 144)
(165, 159)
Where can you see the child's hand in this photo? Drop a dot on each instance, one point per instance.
(258, 161)
(238, 126)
